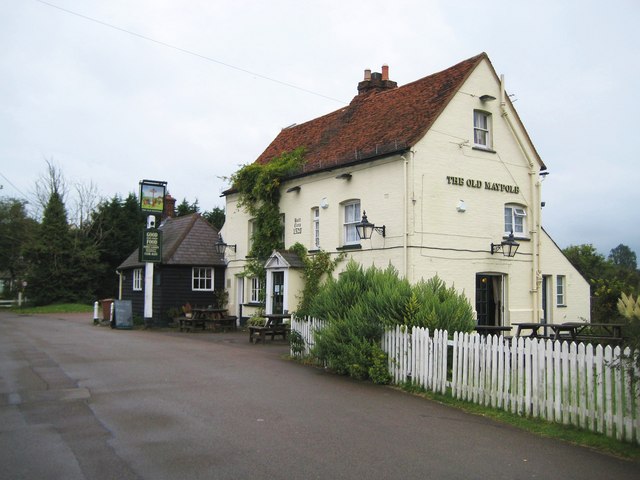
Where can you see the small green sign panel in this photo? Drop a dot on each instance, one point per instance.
(151, 246)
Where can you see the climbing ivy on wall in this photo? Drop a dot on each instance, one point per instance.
(258, 186)
(316, 268)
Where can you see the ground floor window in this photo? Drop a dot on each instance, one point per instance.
(137, 280)
(255, 294)
(202, 279)
(560, 291)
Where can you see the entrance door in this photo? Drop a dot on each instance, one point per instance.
(239, 298)
(277, 293)
(489, 299)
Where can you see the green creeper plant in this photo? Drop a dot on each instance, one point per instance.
(258, 187)
(629, 308)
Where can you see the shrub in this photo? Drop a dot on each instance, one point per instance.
(360, 304)
(630, 310)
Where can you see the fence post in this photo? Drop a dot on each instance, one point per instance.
(95, 313)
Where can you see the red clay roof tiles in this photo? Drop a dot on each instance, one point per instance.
(374, 123)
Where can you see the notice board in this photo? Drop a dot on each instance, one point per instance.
(122, 312)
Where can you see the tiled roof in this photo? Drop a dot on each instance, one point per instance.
(186, 240)
(374, 123)
(291, 258)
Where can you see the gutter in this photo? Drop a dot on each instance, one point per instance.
(536, 275)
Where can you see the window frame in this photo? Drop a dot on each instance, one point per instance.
(517, 212)
(255, 289)
(315, 228)
(251, 225)
(196, 276)
(137, 279)
(349, 224)
(482, 132)
(561, 291)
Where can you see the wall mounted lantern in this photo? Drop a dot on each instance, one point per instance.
(508, 247)
(365, 229)
(221, 247)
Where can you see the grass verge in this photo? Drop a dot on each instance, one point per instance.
(567, 433)
(57, 308)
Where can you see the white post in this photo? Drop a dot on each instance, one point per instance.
(148, 282)
(95, 313)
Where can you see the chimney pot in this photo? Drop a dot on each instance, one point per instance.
(385, 72)
(367, 74)
(169, 206)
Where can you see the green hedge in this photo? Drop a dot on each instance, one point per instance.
(360, 304)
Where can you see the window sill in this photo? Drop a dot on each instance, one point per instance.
(561, 306)
(253, 304)
(355, 246)
(522, 239)
(316, 250)
(483, 149)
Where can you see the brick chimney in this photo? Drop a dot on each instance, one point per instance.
(169, 206)
(376, 82)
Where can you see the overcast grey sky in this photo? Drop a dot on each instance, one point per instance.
(188, 90)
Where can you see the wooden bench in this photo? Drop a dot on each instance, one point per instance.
(224, 323)
(603, 340)
(260, 332)
(187, 324)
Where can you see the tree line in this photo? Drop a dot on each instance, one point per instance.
(608, 278)
(52, 259)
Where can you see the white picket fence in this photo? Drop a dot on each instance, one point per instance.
(569, 383)
(306, 327)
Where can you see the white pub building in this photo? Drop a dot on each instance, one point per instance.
(448, 178)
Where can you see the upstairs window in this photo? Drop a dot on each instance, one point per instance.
(482, 129)
(250, 229)
(515, 220)
(351, 217)
(315, 228)
(202, 279)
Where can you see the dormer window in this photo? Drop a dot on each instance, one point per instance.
(482, 129)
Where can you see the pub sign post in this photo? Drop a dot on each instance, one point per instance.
(152, 193)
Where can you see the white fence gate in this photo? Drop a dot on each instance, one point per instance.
(563, 382)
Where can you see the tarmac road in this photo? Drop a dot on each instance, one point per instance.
(85, 402)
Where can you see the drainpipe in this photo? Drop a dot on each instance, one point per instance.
(405, 217)
(119, 285)
(535, 205)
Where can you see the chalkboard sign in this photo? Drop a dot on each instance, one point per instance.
(123, 314)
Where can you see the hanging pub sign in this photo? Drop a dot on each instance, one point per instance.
(151, 246)
(152, 196)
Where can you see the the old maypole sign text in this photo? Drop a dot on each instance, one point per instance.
(472, 183)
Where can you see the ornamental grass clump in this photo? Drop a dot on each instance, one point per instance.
(361, 304)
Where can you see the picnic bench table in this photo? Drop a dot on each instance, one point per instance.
(207, 317)
(533, 326)
(274, 325)
(485, 330)
(575, 331)
(582, 331)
